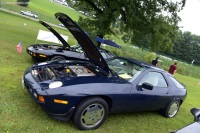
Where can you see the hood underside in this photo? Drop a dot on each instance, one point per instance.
(55, 33)
(87, 45)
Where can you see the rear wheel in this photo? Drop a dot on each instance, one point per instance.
(90, 113)
(172, 109)
(57, 58)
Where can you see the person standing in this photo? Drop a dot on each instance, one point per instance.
(172, 68)
(155, 61)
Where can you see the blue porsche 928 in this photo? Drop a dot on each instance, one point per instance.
(87, 91)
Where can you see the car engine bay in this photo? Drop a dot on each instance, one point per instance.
(46, 46)
(59, 71)
(56, 47)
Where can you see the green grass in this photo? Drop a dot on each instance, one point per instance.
(19, 113)
(45, 9)
(27, 33)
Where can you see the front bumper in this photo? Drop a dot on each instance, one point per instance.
(63, 117)
(36, 54)
(48, 106)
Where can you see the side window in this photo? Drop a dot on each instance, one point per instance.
(176, 82)
(154, 78)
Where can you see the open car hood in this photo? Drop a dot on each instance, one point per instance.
(87, 45)
(55, 33)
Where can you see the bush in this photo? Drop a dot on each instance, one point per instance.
(23, 2)
(149, 57)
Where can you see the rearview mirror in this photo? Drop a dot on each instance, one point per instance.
(147, 86)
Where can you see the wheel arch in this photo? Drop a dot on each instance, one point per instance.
(106, 98)
(53, 55)
(66, 57)
(173, 99)
(179, 99)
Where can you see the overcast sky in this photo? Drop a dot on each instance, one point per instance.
(190, 17)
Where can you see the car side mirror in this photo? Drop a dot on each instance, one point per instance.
(196, 114)
(147, 86)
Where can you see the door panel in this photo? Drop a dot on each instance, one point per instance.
(142, 99)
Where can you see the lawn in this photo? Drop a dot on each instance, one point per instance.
(45, 9)
(19, 113)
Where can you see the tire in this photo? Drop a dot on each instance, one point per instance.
(172, 109)
(22, 13)
(57, 58)
(90, 113)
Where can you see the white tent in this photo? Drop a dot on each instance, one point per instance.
(49, 37)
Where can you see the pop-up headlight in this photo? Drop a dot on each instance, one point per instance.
(55, 84)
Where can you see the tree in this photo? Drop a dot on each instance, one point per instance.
(186, 48)
(23, 2)
(154, 20)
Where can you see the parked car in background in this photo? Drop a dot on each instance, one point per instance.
(49, 52)
(61, 25)
(87, 91)
(29, 13)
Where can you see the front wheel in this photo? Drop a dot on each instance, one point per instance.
(90, 113)
(172, 109)
(57, 58)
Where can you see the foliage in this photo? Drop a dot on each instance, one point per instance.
(23, 2)
(186, 48)
(70, 3)
(126, 38)
(149, 57)
(152, 22)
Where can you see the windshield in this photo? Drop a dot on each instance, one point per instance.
(125, 69)
(77, 48)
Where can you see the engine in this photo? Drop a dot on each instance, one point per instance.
(81, 71)
(54, 72)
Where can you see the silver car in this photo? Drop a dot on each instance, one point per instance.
(29, 13)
